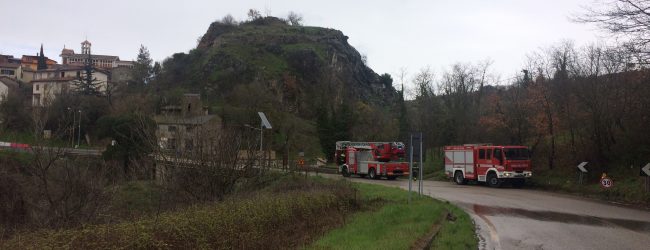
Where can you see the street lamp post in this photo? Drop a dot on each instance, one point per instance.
(261, 134)
(79, 130)
(74, 122)
(264, 124)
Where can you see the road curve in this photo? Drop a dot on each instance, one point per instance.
(508, 218)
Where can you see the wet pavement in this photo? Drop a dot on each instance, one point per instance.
(508, 218)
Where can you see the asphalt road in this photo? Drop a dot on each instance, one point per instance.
(508, 218)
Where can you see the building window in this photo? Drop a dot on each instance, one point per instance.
(62, 74)
(78, 74)
(171, 128)
(36, 86)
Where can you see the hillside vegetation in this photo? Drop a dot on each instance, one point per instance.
(295, 74)
(288, 212)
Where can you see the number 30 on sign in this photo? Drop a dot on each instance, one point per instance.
(606, 182)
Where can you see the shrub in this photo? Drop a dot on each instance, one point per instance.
(274, 218)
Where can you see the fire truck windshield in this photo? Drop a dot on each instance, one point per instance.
(516, 153)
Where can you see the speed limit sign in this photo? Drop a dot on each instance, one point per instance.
(606, 182)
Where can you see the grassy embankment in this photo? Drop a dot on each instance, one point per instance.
(291, 212)
(388, 222)
(628, 186)
(285, 214)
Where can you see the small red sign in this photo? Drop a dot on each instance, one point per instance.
(606, 182)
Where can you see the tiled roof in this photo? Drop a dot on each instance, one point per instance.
(9, 82)
(27, 58)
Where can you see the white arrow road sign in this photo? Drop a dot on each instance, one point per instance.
(582, 165)
(646, 169)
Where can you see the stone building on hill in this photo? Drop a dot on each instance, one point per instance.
(69, 57)
(31, 62)
(8, 66)
(7, 85)
(184, 126)
(48, 84)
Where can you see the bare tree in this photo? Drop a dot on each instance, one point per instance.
(206, 162)
(629, 19)
(254, 14)
(294, 18)
(229, 20)
(59, 189)
(424, 83)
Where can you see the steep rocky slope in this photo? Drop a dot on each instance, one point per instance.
(303, 67)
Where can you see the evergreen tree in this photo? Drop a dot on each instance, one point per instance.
(334, 126)
(42, 63)
(342, 122)
(156, 70)
(325, 132)
(403, 116)
(87, 84)
(142, 68)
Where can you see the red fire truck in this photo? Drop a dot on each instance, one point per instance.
(487, 163)
(374, 159)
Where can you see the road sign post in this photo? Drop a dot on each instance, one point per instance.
(583, 170)
(410, 167)
(420, 168)
(606, 182)
(415, 147)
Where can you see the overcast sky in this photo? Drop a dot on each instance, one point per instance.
(393, 34)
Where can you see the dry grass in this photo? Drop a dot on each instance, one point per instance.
(287, 214)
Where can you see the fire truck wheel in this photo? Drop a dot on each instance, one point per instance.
(345, 172)
(493, 180)
(459, 179)
(372, 174)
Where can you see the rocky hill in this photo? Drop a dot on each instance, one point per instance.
(303, 67)
(309, 80)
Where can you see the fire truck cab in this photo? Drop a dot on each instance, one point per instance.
(372, 159)
(493, 165)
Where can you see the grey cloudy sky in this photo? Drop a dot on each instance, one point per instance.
(393, 34)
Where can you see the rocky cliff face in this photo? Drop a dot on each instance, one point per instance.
(303, 67)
